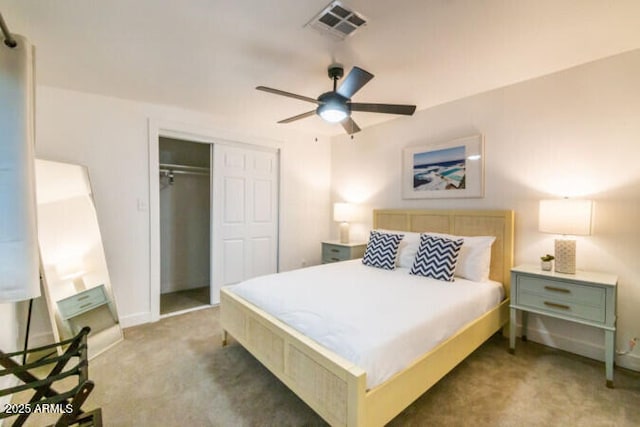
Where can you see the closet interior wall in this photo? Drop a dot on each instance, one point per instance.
(185, 227)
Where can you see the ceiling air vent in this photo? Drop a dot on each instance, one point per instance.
(337, 20)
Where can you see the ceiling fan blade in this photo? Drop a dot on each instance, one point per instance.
(298, 117)
(354, 81)
(350, 126)
(406, 110)
(288, 94)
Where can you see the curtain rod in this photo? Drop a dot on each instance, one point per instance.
(8, 38)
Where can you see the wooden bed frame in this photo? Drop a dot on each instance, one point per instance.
(336, 388)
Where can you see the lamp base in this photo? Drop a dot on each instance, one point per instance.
(565, 253)
(344, 232)
(78, 284)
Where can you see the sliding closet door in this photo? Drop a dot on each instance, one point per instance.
(245, 215)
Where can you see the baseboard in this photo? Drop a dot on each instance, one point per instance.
(135, 319)
(628, 361)
(583, 348)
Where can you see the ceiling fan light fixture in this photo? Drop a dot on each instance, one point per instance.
(335, 106)
(332, 113)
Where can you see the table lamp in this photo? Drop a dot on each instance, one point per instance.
(343, 213)
(72, 269)
(567, 217)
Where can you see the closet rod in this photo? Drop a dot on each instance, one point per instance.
(183, 168)
(166, 172)
(8, 38)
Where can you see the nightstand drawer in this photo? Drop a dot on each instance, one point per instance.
(576, 300)
(560, 291)
(333, 253)
(336, 251)
(82, 302)
(559, 306)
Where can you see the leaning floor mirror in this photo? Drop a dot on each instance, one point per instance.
(75, 277)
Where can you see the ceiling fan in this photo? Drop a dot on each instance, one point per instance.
(336, 106)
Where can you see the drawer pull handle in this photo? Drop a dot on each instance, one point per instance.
(335, 250)
(86, 305)
(335, 259)
(554, 289)
(556, 305)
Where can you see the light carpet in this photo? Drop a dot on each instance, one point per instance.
(176, 373)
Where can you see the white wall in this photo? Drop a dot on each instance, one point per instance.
(110, 137)
(573, 133)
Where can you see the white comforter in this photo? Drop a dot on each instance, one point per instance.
(378, 319)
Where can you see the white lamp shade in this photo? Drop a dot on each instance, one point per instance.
(343, 212)
(565, 216)
(70, 271)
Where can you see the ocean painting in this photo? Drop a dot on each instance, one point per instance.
(440, 169)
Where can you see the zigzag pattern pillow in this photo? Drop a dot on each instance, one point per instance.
(382, 250)
(436, 257)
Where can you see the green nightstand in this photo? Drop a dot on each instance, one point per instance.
(334, 251)
(585, 297)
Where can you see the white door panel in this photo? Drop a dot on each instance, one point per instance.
(233, 262)
(245, 215)
(233, 199)
(262, 251)
(263, 164)
(262, 196)
(234, 161)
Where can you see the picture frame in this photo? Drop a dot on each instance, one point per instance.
(454, 169)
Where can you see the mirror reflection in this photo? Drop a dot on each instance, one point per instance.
(75, 276)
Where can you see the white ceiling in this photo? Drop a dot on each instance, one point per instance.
(209, 55)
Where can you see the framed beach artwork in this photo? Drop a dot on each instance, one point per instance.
(450, 170)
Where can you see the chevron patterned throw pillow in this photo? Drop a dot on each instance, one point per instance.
(436, 257)
(382, 250)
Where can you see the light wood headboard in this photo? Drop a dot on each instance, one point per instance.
(498, 223)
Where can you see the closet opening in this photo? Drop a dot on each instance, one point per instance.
(185, 225)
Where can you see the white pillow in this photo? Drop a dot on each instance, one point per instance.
(474, 261)
(408, 247)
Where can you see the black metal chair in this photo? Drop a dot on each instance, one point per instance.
(45, 399)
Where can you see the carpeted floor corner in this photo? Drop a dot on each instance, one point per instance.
(176, 373)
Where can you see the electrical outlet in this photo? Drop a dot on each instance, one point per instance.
(303, 262)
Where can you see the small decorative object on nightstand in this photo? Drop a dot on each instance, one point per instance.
(334, 251)
(546, 262)
(584, 297)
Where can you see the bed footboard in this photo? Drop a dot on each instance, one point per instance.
(332, 386)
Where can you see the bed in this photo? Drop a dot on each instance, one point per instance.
(336, 388)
